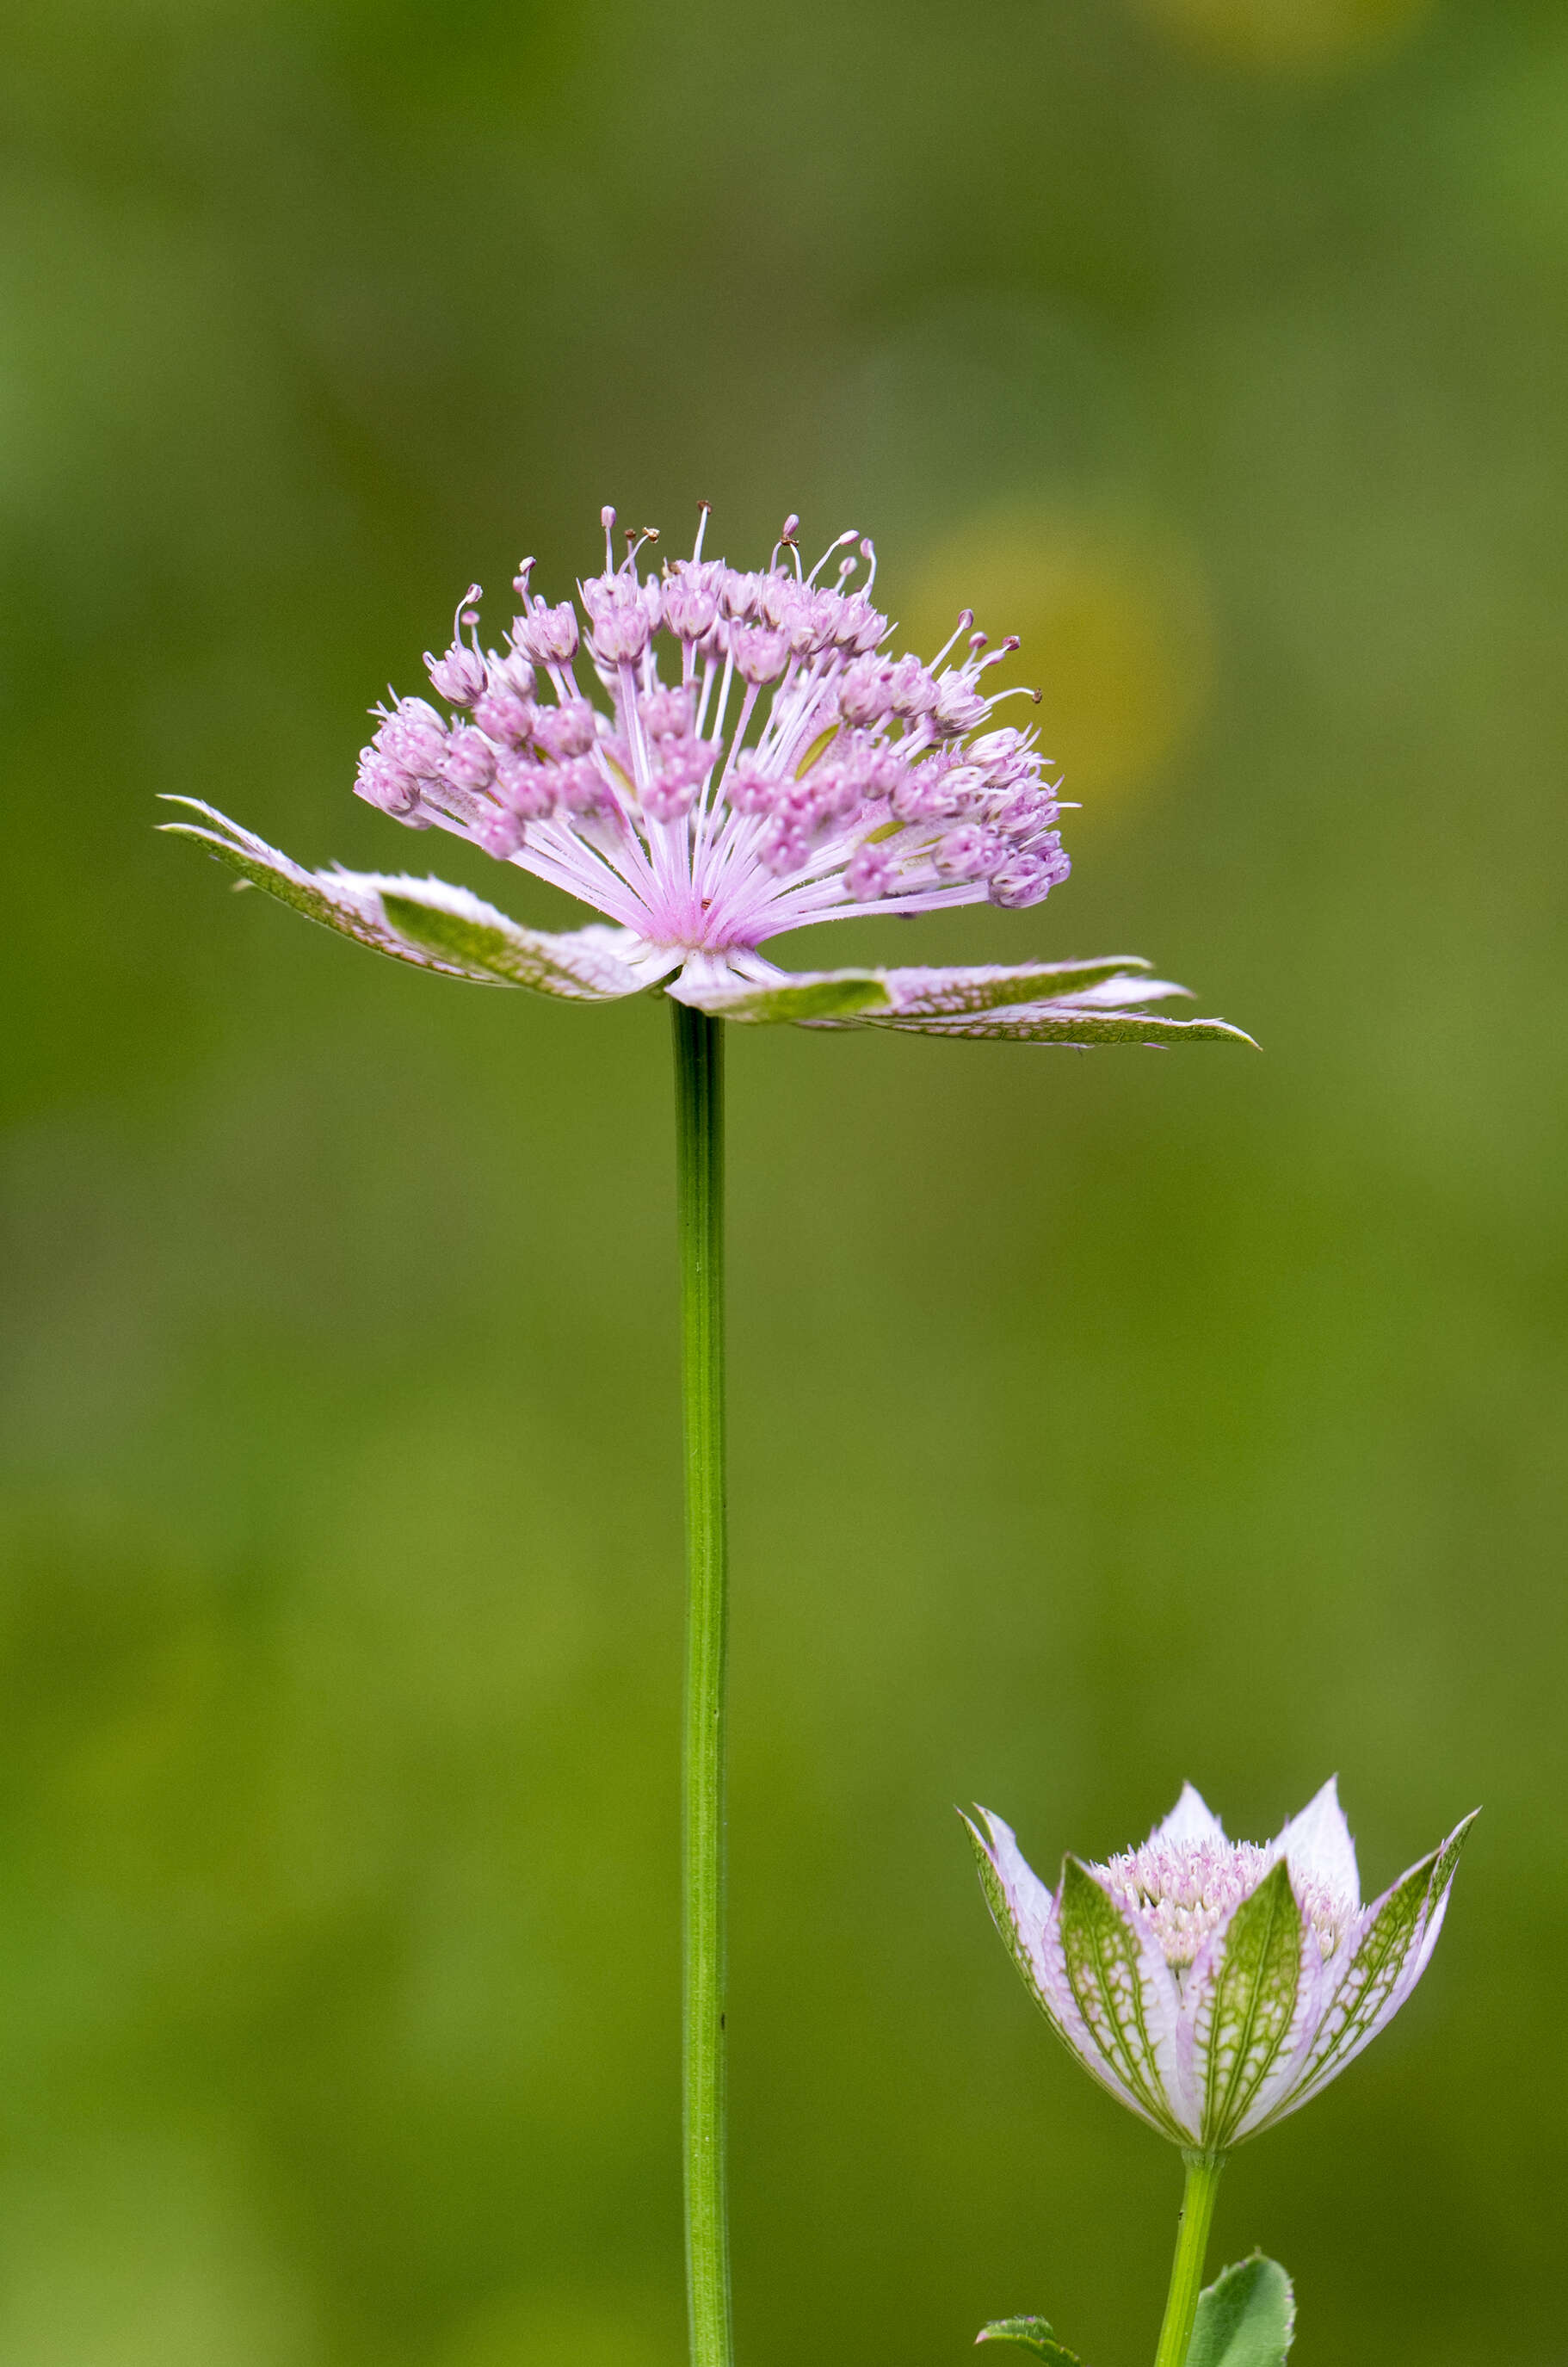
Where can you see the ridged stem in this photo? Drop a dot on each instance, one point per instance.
(1186, 2269)
(699, 1096)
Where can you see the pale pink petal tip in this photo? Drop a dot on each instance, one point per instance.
(1191, 1820)
(1318, 1843)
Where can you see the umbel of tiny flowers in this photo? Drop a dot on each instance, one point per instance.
(757, 761)
(1213, 1986)
(707, 758)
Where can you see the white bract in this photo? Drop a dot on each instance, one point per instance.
(1212, 1984)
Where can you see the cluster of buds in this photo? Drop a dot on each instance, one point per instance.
(792, 769)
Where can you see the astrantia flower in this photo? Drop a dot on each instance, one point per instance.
(1213, 1985)
(756, 759)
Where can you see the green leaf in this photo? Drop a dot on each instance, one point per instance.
(1245, 2318)
(1244, 2024)
(1034, 2334)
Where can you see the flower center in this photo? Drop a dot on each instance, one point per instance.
(1187, 1888)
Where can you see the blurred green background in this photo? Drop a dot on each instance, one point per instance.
(1097, 1422)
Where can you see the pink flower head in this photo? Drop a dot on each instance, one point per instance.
(1212, 1984)
(709, 758)
(667, 855)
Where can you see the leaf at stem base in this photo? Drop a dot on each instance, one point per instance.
(1035, 2335)
(1245, 2318)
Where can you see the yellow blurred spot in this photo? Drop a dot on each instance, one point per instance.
(1115, 635)
(1287, 36)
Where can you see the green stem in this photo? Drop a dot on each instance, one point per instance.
(1191, 2243)
(699, 1095)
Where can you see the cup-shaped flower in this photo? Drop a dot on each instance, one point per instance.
(783, 770)
(1212, 1984)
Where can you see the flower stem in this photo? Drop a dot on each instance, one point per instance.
(1191, 2243)
(699, 1095)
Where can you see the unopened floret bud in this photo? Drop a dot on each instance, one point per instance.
(527, 789)
(504, 717)
(546, 636)
(384, 784)
(509, 670)
(958, 706)
(1029, 879)
(751, 789)
(870, 873)
(667, 714)
(760, 655)
(581, 785)
(414, 737)
(911, 690)
(690, 598)
(865, 693)
(501, 833)
(970, 851)
(460, 675)
(784, 845)
(567, 730)
(623, 614)
(471, 760)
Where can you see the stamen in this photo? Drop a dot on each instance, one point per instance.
(966, 618)
(848, 535)
(999, 656)
(786, 542)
